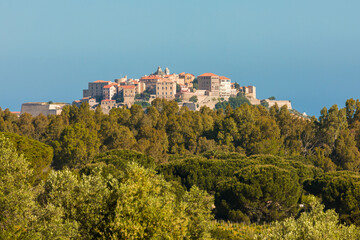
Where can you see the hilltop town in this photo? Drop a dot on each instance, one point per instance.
(207, 89)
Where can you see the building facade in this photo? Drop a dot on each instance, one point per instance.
(95, 89)
(225, 87)
(37, 108)
(249, 91)
(109, 91)
(209, 82)
(150, 82)
(128, 94)
(166, 89)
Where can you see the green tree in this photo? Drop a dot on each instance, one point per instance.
(143, 104)
(147, 208)
(17, 203)
(199, 205)
(234, 102)
(25, 125)
(77, 145)
(315, 224)
(40, 124)
(260, 193)
(346, 153)
(339, 191)
(38, 155)
(121, 158)
(119, 137)
(193, 99)
(82, 202)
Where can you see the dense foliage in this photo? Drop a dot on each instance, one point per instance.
(39, 155)
(173, 173)
(234, 102)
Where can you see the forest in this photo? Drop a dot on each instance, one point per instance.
(164, 172)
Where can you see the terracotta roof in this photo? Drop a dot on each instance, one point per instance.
(107, 100)
(108, 86)
(151, 77)
(224, 78)
(128, 86)
(101, 81)
(208, 75)
(183, 73)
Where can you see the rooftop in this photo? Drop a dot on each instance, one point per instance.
(127, 86)
(151, 77)
(101, 81)
(208, 75)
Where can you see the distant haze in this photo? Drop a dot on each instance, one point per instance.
(305, 51)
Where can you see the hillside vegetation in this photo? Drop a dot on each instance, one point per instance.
(169, 173)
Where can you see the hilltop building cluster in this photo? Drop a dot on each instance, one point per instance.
(206, 89)
(209, 89)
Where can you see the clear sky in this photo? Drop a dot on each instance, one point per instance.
(307, 51)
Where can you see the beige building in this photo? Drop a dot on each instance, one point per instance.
(107, 104)
(128, 94)
(175, 78)
(188, 79)
(95, 89)
(150, 82)
(91, 101)
(140, 87)
(209, 82)
(37, 108)
(121, 80)
(249, 91)
(166, 89)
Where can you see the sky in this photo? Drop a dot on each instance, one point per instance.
(306, 51)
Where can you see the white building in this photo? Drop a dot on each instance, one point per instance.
(225, 87)
(109, 91)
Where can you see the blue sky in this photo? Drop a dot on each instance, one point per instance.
(305, 51)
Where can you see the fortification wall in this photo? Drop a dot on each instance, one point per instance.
(35, 109)
(280, 103)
